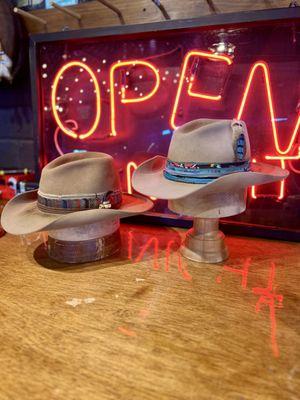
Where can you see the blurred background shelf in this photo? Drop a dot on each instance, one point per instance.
(94, 14)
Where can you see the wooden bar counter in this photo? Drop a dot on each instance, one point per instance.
(148, 324)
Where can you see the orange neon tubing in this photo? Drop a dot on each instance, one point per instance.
(253, 193)
(297, 157)
(282, 164)
(281, 183)
(202, 95)
(190, 54)
(123, 99)
(266, 73)
(66, 130)
(130, 165)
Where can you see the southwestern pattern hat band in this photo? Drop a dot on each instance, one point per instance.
(67, 204)
(200, 172)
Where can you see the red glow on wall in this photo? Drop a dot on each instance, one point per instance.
(125, 100)
(183, 77)
(263, 66)
(282, 154)
(54, 106)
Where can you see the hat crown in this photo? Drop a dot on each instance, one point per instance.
(210, 141)
(79, 174)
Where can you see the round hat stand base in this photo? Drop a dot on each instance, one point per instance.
(86, 243)
(204, 242)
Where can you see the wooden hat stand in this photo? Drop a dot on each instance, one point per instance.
(85, 243)
(204, 242)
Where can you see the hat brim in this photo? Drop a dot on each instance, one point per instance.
(21, 214)
(149, 180)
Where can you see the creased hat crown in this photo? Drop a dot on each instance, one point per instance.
(79, 174)
(210, 141)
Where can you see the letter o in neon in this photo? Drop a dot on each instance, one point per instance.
(66, 130)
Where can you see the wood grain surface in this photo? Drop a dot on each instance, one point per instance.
(94, 14)
(147, 324)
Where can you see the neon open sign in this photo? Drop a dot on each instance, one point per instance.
(123, 93)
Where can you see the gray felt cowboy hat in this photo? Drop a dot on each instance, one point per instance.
(205, 156)
(75, 189)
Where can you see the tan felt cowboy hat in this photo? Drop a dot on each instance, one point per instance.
(75, 189)
(205, 156)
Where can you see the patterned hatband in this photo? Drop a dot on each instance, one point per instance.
(190, 172)
(66, 204)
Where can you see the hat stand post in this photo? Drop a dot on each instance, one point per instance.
(204, 242)
(85, 243)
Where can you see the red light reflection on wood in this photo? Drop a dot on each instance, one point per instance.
(238, 271)
(149, 242)
(126, 331)
(181, 268)
(268, 297)
(159, 250)
(144, 313)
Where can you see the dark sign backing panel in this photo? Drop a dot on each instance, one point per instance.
(123, 90)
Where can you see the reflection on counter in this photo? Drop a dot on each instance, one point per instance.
(160, 246)
(157, 249)
(267, 296)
